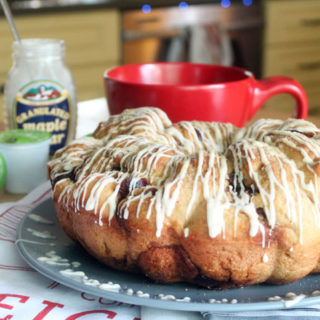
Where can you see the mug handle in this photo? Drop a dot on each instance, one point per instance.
(266, 88)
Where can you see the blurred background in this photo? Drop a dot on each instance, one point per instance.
(268, 37)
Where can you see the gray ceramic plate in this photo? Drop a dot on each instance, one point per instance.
(44, 245)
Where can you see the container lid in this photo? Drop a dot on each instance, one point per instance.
(21, 136)
(37, 47)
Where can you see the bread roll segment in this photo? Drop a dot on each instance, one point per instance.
(205, 203)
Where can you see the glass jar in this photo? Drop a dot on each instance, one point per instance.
(39, 91)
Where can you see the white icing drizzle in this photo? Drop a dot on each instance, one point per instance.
(51, 244)
(294, 300)
(215, 205)
(142, 143)
(82, 277)
(91, 282)
(265, 258)
(110, 286)
(223, 300)
(76, 275)
(141, 294)
(166, 297)
(36, 218)
(290, 295)
(129, 292)
(167, 196)
(275, 298)
(315, 293)
(52, 259)
(76, 264)
(64, 162)
(184, 299)
(263, 234)
(41, 234)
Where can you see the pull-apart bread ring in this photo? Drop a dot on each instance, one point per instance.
(205, 203)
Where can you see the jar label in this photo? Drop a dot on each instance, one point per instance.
(45, 106)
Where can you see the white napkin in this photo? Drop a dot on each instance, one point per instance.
(306, 313)
(157, 314)
(90, 113)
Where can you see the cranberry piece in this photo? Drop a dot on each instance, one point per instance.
(199, 134)
(126, 186)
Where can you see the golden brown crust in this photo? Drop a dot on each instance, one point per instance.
(199, 202)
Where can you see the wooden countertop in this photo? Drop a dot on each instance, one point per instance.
(275, 114)
(27, 6)
(263, 113)
(9, 197)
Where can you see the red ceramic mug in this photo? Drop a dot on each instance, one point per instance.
(188, 91)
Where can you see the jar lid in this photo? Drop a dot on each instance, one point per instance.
(21, 136)
(39, 47)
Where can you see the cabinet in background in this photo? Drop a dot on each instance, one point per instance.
(92, 40)
(292, 47)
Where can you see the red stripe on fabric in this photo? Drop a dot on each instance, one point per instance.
(41, 197)
(14, 207)
(5, 212)
(7, 226)
(16, 268)
(53, 285)
(8, 240)
(9, 236)
(19, 211)
(10, 220)
(11, 210)
(28, 206)
(7, 231)
(11, 215)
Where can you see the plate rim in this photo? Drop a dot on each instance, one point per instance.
(148, 302)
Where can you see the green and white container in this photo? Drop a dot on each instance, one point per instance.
(26, 155)
(39, 91)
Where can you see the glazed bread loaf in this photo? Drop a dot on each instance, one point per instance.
(205, 203)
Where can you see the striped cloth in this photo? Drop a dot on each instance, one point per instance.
(26, 294)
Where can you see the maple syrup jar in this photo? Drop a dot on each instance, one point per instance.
(39, 91)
